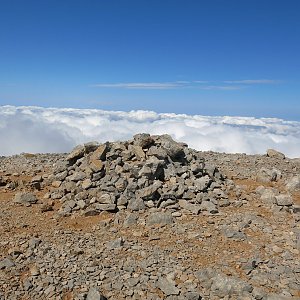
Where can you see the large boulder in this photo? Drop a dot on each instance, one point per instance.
(275, 154)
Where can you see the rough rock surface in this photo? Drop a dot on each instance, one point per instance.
(149, 219)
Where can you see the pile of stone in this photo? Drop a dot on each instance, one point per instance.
(145, 172)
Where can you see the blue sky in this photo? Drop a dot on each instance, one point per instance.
(196, 57)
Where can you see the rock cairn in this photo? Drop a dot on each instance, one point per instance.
(145, 172)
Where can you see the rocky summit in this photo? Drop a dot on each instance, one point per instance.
(149, 218)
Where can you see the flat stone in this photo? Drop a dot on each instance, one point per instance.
(284, 200)
(100, 152)
(106, 207)
(162, 218)
(96, 165)
(75, 154)
(86, 184)
(6, 263)
(25, 198)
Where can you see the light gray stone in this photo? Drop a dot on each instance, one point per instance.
(284, 200)
(162, 218)
(25, 198)
(94, 294)
(167, 286)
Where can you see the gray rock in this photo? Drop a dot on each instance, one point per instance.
(136, 204)
(174, 150)
(279, 297)
(25, 198)
(193, 208)
(167, 286)
(268, 196)
(131, 219)
(94, 294)
(34, 243)
(106, 199)
(106, 207)
(115, 244)
(122, 200)
(162, 218)
(293, 184)
(37, 178)
(266, 175)
(75, 154)
(77, 176)
(138, 152)
(100, 152)
(205, 277)
(209, 207)
(192, 296)
(234, 234)
(143, 140)
(160, 153)
(202, 183)
(150, 192)
(90, 147)
(6, 263)
(223, 286)
(284, 200)
(275, 154)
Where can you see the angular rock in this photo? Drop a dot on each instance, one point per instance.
(96, 165)
(167, 286)
(150, 192)
(75, 154)
(174, 150)
(284, 200)
(100, 152)
(25, 198)
(94, 294)
(265, 175)
(202, 183)
(223, 286)
(209, 207)
(143, 140)
(293, 184)
(275, 154)
(162, 218)
(268, 196)
(115, 244)
(6, 263)
(193, 208)
(136, 204)
(86, 184)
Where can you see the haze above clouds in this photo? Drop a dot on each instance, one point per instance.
(37, 129)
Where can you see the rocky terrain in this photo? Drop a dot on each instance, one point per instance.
(149, 218)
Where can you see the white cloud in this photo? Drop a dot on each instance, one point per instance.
(253, 81)
(222, 87)
(142, 85)
(202, 84)
(36, 129)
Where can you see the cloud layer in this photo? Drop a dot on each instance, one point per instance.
(199, 84)
(36, 129)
